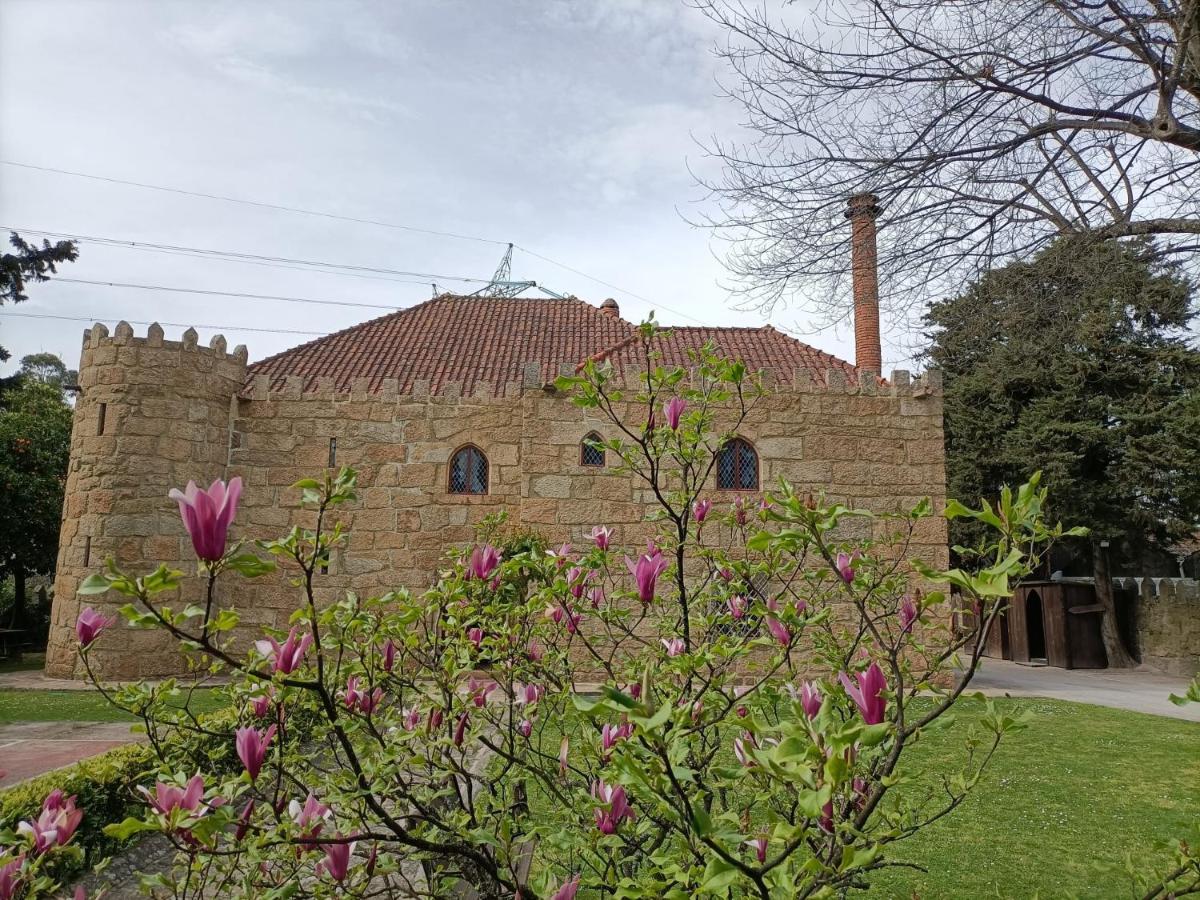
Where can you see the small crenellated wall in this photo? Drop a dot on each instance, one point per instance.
(151, 414)
(1167, 622)
(186, 412)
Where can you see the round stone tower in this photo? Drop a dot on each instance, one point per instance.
(151, 414)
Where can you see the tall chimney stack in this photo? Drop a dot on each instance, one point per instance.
(861, 211)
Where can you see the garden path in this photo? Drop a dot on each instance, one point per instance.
(31, 748)
(1139, 690)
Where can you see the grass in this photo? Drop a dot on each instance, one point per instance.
(81, 706)
(1060, 805)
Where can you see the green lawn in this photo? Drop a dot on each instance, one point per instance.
(1058, 808)
(80, 706)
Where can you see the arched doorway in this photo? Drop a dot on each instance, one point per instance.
(1035, 627)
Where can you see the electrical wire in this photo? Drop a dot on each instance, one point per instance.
(18, 315)
(235, 254)
(210, 293)
(276, 206)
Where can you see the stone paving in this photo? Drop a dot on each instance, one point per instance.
(1139, 690)
(31, 748)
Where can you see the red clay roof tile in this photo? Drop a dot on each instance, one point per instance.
(490, 339)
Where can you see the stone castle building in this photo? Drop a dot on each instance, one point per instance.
(447, 411)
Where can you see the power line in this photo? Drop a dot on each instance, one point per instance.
(183, 290)
(236, 255)
(259, 203)
(17, 315)
(328, 215)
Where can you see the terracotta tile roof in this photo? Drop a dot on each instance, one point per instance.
(490, 339)
(758, 348)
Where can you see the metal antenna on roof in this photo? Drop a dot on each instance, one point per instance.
(502, 284)
(435, 290)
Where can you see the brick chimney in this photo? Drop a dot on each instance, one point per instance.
(861, 211)
(609, 308)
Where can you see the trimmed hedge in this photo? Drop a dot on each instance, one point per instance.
(106, 787)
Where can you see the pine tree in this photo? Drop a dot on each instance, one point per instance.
(1078, 363)
(29, 263)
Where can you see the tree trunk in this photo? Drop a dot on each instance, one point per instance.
(18, 611)
(1114, 647)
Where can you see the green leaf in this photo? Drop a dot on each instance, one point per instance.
(123, 831)
(250, 566)
(94, 584)
(718, 875)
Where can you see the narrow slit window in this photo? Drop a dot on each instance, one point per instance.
(87, 551)
(332, 452)
(737, 466)
(101, 417)
(589, 453)
(468, 471)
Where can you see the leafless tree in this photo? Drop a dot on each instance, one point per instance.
(987, 128)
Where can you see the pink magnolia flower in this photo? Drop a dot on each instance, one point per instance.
(573, 619)
(700, 510)
(560, 555)
(252, 747)
(243, 820)
(479, 690)
(602, 534)
(868, 693)
(760, 847)
(435, 719)
(739, 510)
(810, 699)
(564, 753)
(208, 514)
(673, 410)
(389, 656)
(567, 890)
(613, 809)
(737, 606)
(779, 631)
(10, 877)
(412, 718)
(55, 825)
(697, 710)
(742, 712)
(89, 625)
(290, 654)
(475, 636)
(575, 578)
(460, 729)
(611, 734)
(596, 596)
(529, 694)
(554, 614)
(337, 859)
(674, 646)
(534, 652)
(908, 614)
(725, 575)
(169, 797)
(525, 728)
(801, 607)
(261, 705)
(861, 790)
(309, 818)
(634, 690)
(645, 572)
(482, 562)
(845, 565)
(826, 820)
(742, 747)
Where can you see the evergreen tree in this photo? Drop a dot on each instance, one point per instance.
(35, 445)
(1078, 363)
(29, 263)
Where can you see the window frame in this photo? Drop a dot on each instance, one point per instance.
(730, 445)
(584, 448)
(487, 469)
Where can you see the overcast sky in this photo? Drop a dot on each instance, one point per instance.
(565, 126)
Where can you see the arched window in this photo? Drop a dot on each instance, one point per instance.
(737, 466)
(590, 455)
(468, 471)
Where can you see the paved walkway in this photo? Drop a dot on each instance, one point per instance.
(31, 748)
(1134, 689)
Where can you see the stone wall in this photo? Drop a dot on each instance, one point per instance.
(1167, 621)
(879, 448)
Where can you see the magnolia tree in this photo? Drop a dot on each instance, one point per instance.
(726, 711)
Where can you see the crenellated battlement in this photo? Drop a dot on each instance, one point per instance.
(123, 336)
(301, 387)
